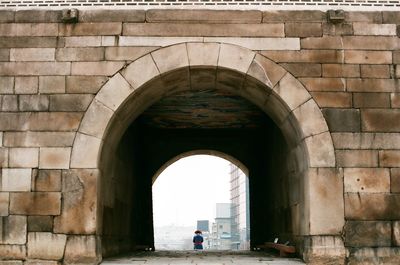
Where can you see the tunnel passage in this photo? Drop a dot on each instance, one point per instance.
(189, 110)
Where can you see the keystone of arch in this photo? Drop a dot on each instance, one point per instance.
(282, 97)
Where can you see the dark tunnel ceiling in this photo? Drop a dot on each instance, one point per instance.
(206, 109)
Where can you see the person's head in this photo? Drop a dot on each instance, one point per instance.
(197, 232)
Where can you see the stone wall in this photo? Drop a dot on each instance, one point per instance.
(50, 72)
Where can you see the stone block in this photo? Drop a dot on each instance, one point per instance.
(371, 100)
(291, 91)
(32, 54)
(374, 29)
(38, 16)
(39, 139)
(35, 68)
(54, 121)
(51, 84)
(323, 84)
(321, 150)
(372, 206)
(396, 57)
(88, 29)
(28, 42)
(366, 140)
(3, 157)
(340, 70)
(200, 30)
(126, 53)
(26, 84)
(310, 119)
(140, 71)
(390, 17)
(203, 54)
(363, 16)
(47, 180)
(6, 16)
(396, 233)
(78, 212)
(89, 41)
(35, 203)
(395, 100)
(4, 203)
(54, 157)
(11, 262)
(80, 54)
(10, 103)
(285, 15)
(380, 120)
(6, 85)
(266, 71)
(368, 57)
(357, 158)
(332, 99)
(114, 92)
(85, 151)
(40, 223)
(342, 120)
(339, 29)
(326, 42)
(395, 180)
(96, 119)
(16, 179)
(4, 55)
(204, 16)
(46, 246)
(33, 102)
(368, 233)
(12, 252)
(171, 58)
(371, 85)
(13, 229)
(70, 102)
(366, 180)
(23, 157)
(389, 158)
(109, 15)
(14, 121)
(375, 71)
(324, 185)
(303, 70)
(28, 29)
(82, 249)
(105, 68)
(371, 43)
(85, 84)
(41, 262)
(302, 29)
(154, 41)
(258, 43)
(324, 250)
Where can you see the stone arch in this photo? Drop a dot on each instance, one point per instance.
(274, 90)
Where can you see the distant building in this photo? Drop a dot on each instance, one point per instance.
(203, 225)
(220, 237)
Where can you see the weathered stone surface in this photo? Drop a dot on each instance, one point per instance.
(306, 56)
(266, 71)
(40, 223)
(368, 57)
(324, 250)
(26, 85)
(302, 70)
(372, 206)
(85, 151)
(105, 68)
(10, 103)
(47, 180)
(41, 262)
(33, 102)
(342, 120)
(4, 204)
(29, 29)
(323, 84)
(6, 16)
(90, 41)
(11, 252)
(380, 120)
(396, 233)
(374, 29)
(366, 140)
(340, 70)
(78, 213)
(368, 234)
(395, 180)
(390, 17)
(14, 121)
(389, 158)
(366, 180)
(371, 85)
(370, 43)
(54, 121)
(67, 102)
(310, 119)
(23, 157)
(35, 203)
(109, 15)
(283, 16)
(371, 100)
(126, 53)
(375, 71)
(326, 42)
(46, 246)
(303, 29)
(203, 54)
(6, 85)
(38, 139)
(80, 54)
(4, 55)
(28, 42)
(13, 229)
(38, 16)
(143, 41)
(35, 68)
(204, 16)
(84, 84)
(259, 43)
(51, 84)
(395, 100)
(16, 179)
(32, 54)
(337, 29)
(81, 249)
(4, 157)
(292, 92)
(332, 99)
(170, 58)
(87, 29)
(363, 16)
(135, 74)
(54, 157)
(357, 158)
(114, 92)
(321, 150)
(96, 119)
(11, 262)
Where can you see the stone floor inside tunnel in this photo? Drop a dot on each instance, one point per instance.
(201, 257)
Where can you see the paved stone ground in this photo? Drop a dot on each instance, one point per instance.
(201, 258)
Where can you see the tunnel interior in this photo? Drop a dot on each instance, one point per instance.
(192, 110)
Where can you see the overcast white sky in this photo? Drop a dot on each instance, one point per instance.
(188, 190)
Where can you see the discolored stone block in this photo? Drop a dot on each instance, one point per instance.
(38, 16)
(38, 139)
(16, 179)
(86, 41)
(41, 262)
(10, 103)
(332, 99)
(126, 53)
(32, 54)
(3, 157)
(357, 158)
(35, 203)
(134, 73)
(97, 117)
(396, 233)
(26, 84)
(299, 70)
(6, 16)
(389, 158)
(321, 150)
(375, 71)
(366, 180)
(12, 252)
(4, 203)
(40, 223)
(51, 84)
(372, 206)
(340, 29)
(33, 102)
(6, 85)
(368, 57)
(109, 15)
(305, 56)
(340, 70)
(87, 29)
(78, 213)
(395, 100)
(23, 157)
(47, 180)
(363, 16)
(303, 29)
(342, 120)
(4, 55)
(85, 151)
(326, 42)
(35, 68)
(266, 71)
(371, 85)
(366, 140)
(323, 84)
(368, 233)
(81, 249)
(54, 121)
(105, 68)
(374, 29)
(28, 42)
(85, 84)
(54, 157)
(80, 54)
(75, 102)
(395, 180)
(390, 17)
(13, 229)
(380, 120)
(46, 246)
(371, 100)
(304, 16)
(371, 43)
(28, 29)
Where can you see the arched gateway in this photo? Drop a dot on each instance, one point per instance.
(296, 190)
